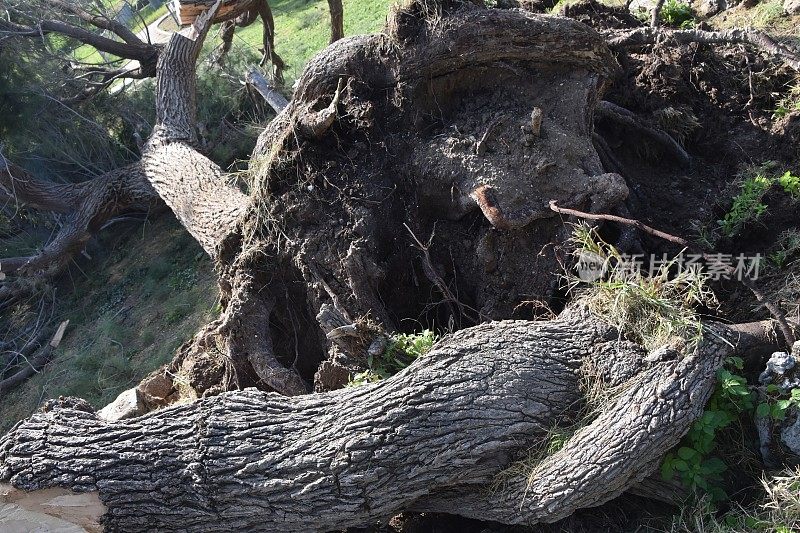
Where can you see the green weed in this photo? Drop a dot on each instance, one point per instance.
(790, 184)
(765, 13)
(401, 350)
(677, 14)
(787, 247)
(649, 310)
(777, 404)
(693, 461)
(747, 206)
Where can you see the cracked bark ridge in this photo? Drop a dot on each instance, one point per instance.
(263, 462)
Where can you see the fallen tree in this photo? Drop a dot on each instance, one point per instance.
(432, 438)
(410, 177)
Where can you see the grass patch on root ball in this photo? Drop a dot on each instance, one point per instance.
(649, 310)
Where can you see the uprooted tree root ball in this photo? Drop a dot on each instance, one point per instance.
(409, 181)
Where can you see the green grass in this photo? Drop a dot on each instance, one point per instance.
(649, 309)
(677, 14)
(302, 28)
(145, 292)
(748, 205)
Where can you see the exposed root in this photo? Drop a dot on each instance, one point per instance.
(627, 119)
(630, 38)
(314, 124)
(776, 312)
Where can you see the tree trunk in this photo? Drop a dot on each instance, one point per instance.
(337, 20)
(258, 461)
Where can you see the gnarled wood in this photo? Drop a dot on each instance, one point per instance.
(262, 462)
(752, 37)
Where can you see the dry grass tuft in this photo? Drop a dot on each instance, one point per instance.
(649, 310)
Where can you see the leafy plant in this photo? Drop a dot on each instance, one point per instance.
(693, 460)
(776, 406)
(747, 205)
(790, 184)
(401, 350)
(677, 14)
(790, 102)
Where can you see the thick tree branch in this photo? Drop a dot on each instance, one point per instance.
(193, 186)
(337, 20)
(100, 21)
(142, 52)
(90, 205)
(262, 462)
(45, 195)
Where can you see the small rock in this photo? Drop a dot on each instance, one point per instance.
(780, 371)
(642, 8)
(156, 388)
(791, 7)
(709, 8)
(790, 435)
(377, 346)
(129, 404)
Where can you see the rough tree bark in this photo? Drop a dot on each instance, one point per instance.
(263, 462)
(88, 206)
(337, 20)
(384, 192)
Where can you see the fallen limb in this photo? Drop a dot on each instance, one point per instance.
(269, 93)
(262, 462)
(89, 204)
(37, 354)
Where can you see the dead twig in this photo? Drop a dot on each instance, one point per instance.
(435, 278)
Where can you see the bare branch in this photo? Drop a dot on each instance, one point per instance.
(275, 99)
(100, 21)
(144, 53)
